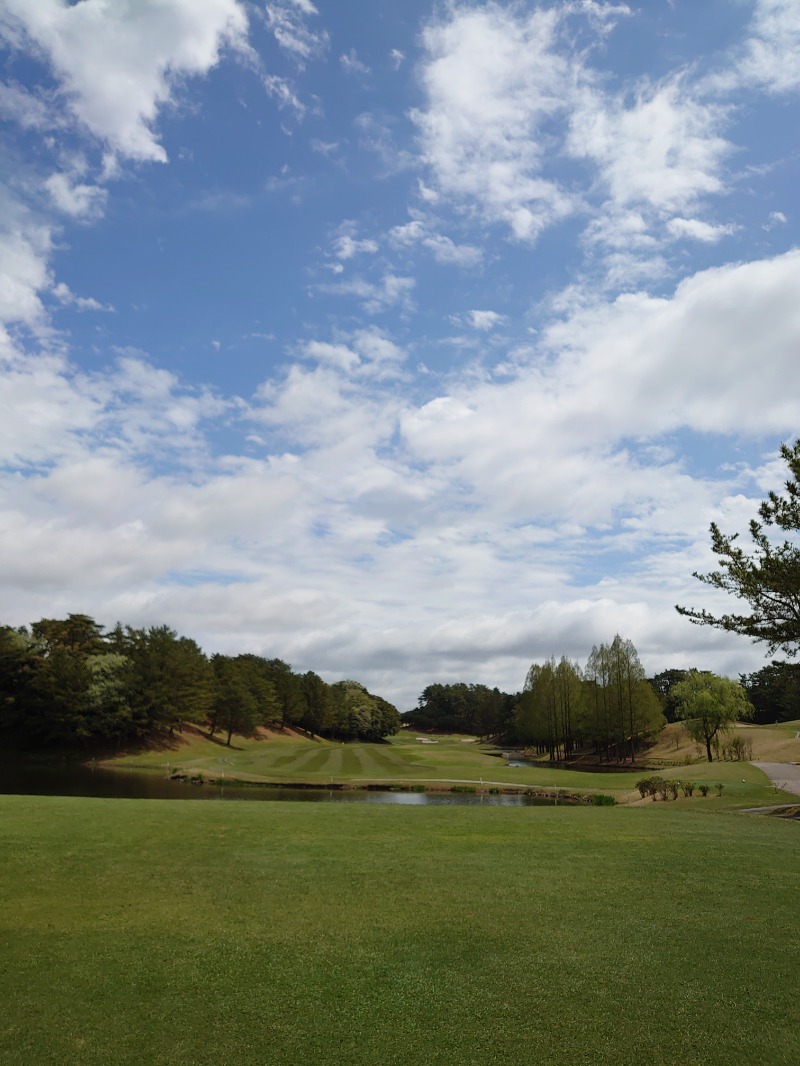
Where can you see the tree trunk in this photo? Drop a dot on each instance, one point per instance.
(708, 749)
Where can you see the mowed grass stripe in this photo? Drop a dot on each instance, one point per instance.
(384, 762)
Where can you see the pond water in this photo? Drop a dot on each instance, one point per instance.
(513, 759)
(29, 780)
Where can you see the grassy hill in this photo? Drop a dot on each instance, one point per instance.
(771, 743)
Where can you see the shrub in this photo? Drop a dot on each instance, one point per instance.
(719, 787)
(740, 749)
(687, 787)
(650, 786)
(704, 789)
(672, 787)
(601, 800)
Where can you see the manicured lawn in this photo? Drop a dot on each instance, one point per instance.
(296, 935)
(404, 760)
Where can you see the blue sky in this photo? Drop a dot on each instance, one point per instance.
(407, 342)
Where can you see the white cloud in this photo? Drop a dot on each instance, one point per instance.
(772, 54)
(392, 290)
(696, 230)
(347, 246)
(493, 81)
(715, 358)
(352, 64)
(282, 91)
(74, 197)
(443, 249)
(485, 320)
(25, 247)
(776, 218)
(67, 298)
(518, 486)
(662, 151)
(118, 64)
(21, 105)
(396, 58)
(286, 20)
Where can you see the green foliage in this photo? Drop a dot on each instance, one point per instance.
(357, 714)
(622, 710)
(662, 684)
(708, 704)
(461, 708)
(66, 683)
(601, 800)
(652, 786)
(774, 692)
(768, 578)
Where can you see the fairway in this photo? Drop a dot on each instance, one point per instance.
(159, 932)
(443, 760)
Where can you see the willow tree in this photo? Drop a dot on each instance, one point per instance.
(767, 577)
(709, 705)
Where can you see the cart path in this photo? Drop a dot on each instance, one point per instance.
(784, 774)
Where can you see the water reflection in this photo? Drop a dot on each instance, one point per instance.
(118, 784)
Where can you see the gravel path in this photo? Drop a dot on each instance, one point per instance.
(784, 774)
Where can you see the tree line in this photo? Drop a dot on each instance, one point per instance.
(464, 708)
(64, 682)
(608, 706)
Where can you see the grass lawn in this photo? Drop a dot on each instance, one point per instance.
(404, 760)
(154, 932)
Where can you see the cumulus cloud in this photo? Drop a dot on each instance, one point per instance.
(444, 250)
(493, 80)
(75, 198)
(118, 64)
(663, 150)
(25, 246)
(772, 53)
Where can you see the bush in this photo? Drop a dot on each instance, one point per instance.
(601, 800)
(650, 786)
(719, 787)
(704, 789)
(687, 787)
(672, 788)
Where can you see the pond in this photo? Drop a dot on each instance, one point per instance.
(515, 759)
(77, 780)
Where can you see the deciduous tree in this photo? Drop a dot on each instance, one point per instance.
(709, 705)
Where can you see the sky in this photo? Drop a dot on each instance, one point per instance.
(407, 342)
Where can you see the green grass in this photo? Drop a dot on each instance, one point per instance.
(451, 759)
(294, 935)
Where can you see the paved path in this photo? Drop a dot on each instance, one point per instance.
(784, 774)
